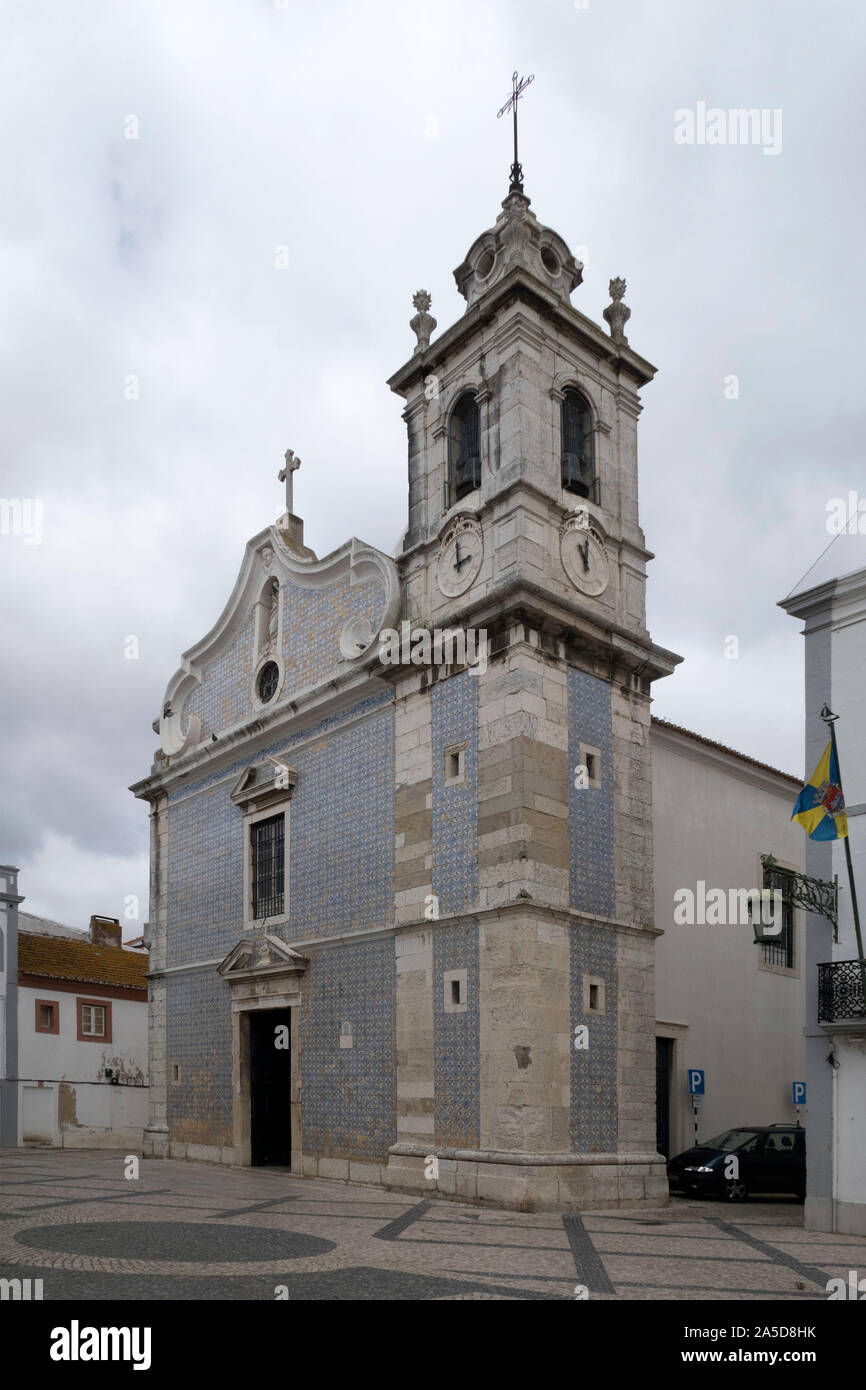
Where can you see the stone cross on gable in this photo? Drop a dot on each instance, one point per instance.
(285, 476)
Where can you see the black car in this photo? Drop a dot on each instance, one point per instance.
(755, 1158)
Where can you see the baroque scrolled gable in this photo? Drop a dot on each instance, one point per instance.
(294, 631)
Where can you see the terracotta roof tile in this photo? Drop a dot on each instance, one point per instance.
(61, 959)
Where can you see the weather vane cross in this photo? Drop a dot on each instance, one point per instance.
(518, 87)
(285, 476)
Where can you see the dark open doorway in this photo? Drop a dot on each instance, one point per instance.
(664, 1064)
(270, 1066)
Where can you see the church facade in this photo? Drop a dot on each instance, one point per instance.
(402, 917)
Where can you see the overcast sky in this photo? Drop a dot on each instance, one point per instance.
(363, 137)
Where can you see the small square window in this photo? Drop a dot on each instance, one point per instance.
(455, 764)
(94, 1020)
(593, 995)
(47, 1016)
(590, 758)
(456, 990)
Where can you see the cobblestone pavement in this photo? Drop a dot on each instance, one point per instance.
(194, 1231)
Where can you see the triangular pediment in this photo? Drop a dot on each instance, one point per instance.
(261, 955)
(260, 782)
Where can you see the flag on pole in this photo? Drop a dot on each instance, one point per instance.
(820, 807)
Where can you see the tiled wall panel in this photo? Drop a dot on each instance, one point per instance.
(455, 808)
(456, 1038)
(348, 1099)
(594, 1070)
(341, 841)
(310, 646)
(590, 808)
(342, 832)
(199, 1037)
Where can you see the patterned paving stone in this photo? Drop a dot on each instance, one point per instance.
(203, 1232)
(175, 1240)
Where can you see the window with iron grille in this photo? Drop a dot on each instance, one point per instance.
(578, 456)
(464, 447)
(781, 951)
(268, 852)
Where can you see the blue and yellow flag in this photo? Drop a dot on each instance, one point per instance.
(820, 807)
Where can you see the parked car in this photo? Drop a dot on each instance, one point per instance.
(768, 1158)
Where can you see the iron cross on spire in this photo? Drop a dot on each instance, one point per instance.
(518, 87)
(285, 476)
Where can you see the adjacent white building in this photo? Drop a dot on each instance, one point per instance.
(82, 1036)
(831, 602)
(724, 1004)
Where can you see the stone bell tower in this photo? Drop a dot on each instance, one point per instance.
(525, 993)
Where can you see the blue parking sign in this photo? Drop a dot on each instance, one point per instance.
(798, 1092)
(696, 1082)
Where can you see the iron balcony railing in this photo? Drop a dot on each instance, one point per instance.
(841, 991)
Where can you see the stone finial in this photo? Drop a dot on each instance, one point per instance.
(617, 314)
(423, 323)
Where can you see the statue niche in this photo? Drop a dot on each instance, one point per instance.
(268, 619)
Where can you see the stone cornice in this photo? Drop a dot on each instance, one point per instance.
(567, 915)
(484, 508)
(636, 652)
(519, 284)
(249, 737)
(810, 602)
(848, 589)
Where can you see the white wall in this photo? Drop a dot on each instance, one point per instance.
(743, 1024)
(75, 1106)
(848, 666)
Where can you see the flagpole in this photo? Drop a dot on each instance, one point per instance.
(830, 718)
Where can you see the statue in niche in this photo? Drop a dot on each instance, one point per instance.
(273, 614)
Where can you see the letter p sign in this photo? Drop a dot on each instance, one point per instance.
(798, 1092)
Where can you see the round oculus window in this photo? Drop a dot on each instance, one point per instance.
(485, 264)
(269, 679)
(549, 261)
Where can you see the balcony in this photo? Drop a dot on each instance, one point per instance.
(842, 996)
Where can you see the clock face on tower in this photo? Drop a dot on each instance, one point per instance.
(460, 557)
(584, 556)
